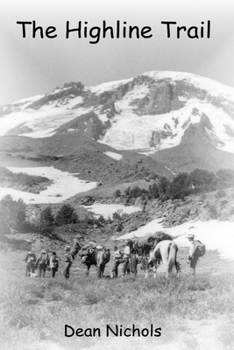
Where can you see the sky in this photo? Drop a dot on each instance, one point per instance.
(33, 66)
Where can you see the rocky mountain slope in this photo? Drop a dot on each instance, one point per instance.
(170, 121)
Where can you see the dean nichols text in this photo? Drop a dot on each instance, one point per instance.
(113, 330)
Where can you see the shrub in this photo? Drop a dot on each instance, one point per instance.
(180, 186)
(116, 216)
(117, 193)
(202, 180)
(66, 215)
(153, 191)
(47, 219)
(12, 213)
(164, 188)
(135, 192)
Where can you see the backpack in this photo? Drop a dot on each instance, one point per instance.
(201, 249)
(44, 257)
(30, 258)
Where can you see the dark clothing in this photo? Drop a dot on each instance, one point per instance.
(194, 254)
(75, 250)
(42, 263)
(53, 270)
(125, 266)
(133, 264)
(42, 269)
(54, 264)
(66, 271)
(68, 264)
(193, 262)
(115, 268)
(102, 258)
(101, 269)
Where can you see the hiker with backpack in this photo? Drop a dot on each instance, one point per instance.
(103, 257)
(86, 252)
(54, 263)
(197, 249)
(43, 263)
(30, 260)
(68, 262)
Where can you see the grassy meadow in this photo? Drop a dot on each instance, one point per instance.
(192, 313)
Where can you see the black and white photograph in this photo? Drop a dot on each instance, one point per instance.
(116, 175)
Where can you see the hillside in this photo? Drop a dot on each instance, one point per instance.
(159, 122)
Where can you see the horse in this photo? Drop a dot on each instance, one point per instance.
(91, 257)
(144, 245)
(165, 251)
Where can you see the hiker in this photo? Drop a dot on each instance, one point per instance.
(126, 257)
(76, 248)
(117, 260)
(54, 263)
(68, 261)
(42, 263)
(196, 250)
(86, 253)
(101, 260)
(30, 260)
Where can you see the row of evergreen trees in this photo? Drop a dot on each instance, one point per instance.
(13, 217)
(65, 215)
(198, 181)
(12, 214)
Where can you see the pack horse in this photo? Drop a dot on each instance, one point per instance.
(165, 251)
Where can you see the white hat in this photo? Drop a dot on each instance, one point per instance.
(190, 236)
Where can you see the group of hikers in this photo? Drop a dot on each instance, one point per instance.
(42, 263)
(143, 250)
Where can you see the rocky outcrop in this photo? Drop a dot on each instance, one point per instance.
(68, 90)
(203, 207)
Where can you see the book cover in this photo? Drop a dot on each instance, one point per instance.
(116, 174)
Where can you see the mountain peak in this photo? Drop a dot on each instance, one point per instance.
(151, 112)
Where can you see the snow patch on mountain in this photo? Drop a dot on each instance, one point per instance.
(152, 112)
(40, 123)
(207, 232)
(114, 155)
(212, 86)
(107, 210)
(158, 132)
(57, 192)
(99, 89)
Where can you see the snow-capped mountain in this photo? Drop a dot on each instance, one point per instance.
(149, 113)
(166, 121)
